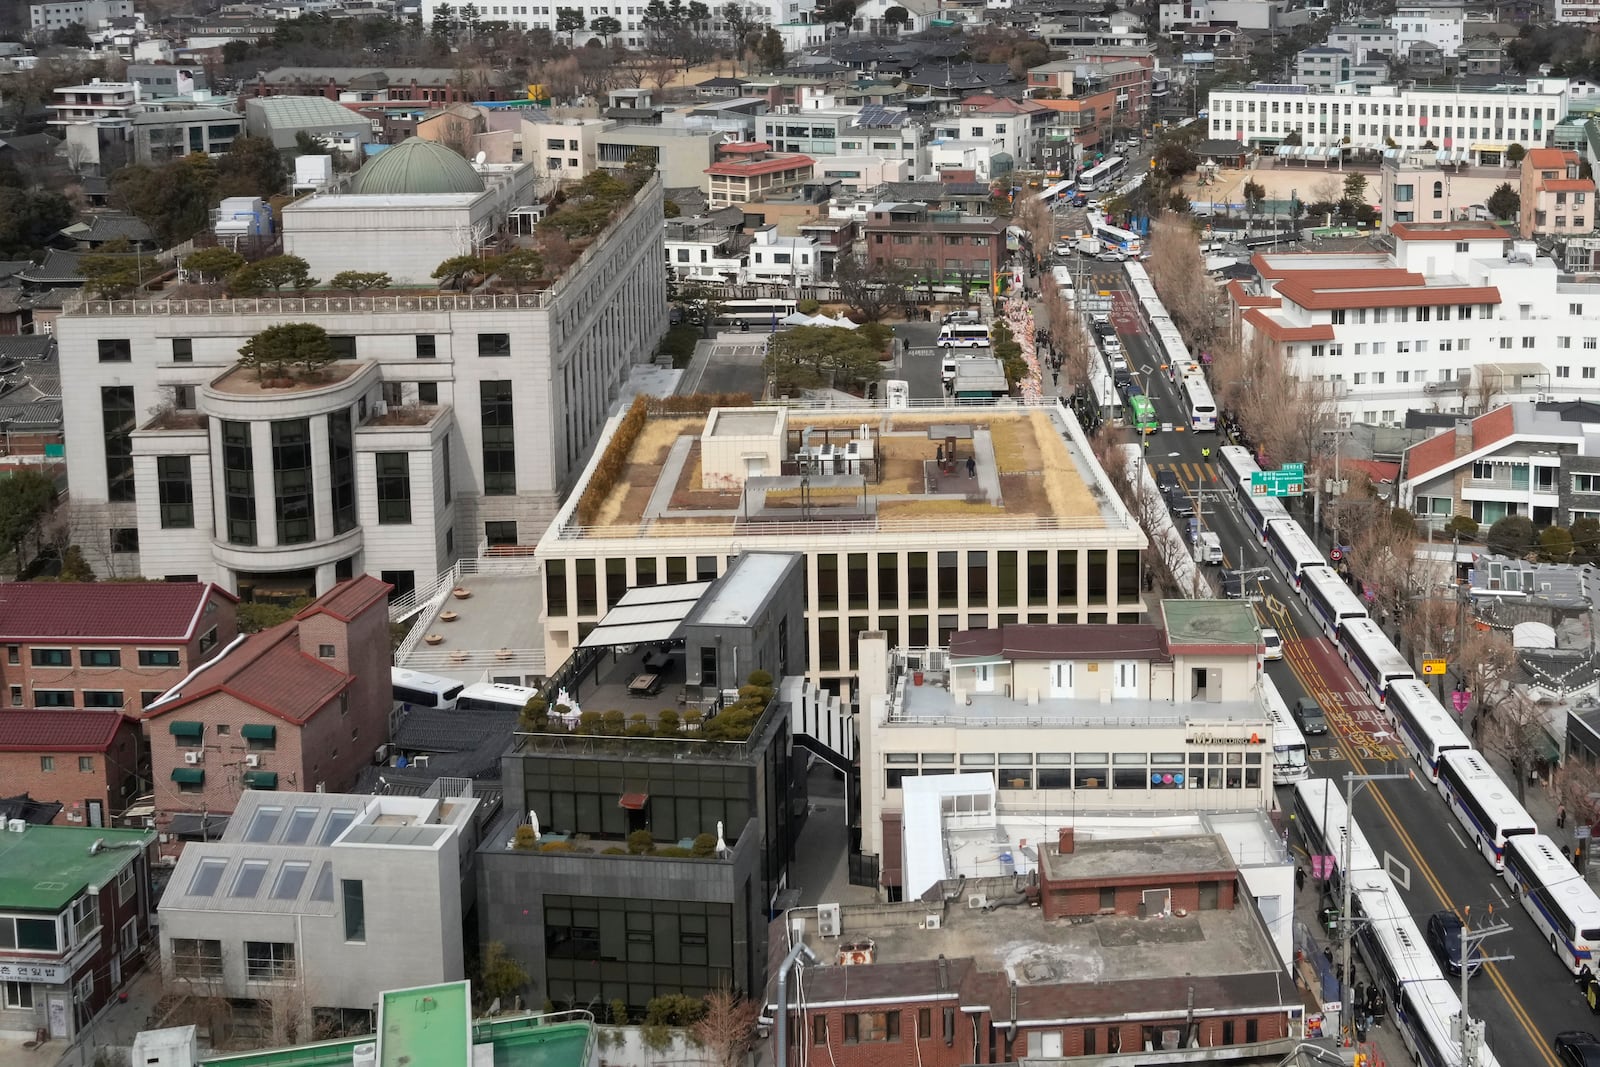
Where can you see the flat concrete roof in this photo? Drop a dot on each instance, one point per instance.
(1210, 622)
(753, 422)
(1032, 950)
(1145, 857)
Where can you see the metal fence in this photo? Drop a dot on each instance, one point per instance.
(315, 305)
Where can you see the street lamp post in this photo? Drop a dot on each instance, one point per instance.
(1352, 785)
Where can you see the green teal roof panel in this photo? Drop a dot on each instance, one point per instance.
(44, 867)
(417, 166)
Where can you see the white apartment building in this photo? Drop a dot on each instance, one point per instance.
(324, 900)
(1577, 12)
(699, 249)
(450, 421)
(99, 103)
(779, 260)
(44, 19)
(884, 133)
(1167, 716)
(563, 149)
(1365, 39)
(899, 534)
(1458, 318)
(1441, 25)
(630, 16)
(1484, 122)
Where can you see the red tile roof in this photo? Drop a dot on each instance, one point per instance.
(1281, 264)
(1310, 293)
(59, 730)
(1376, 470)
(1568, 185)
(348, 599)
(1448, 231)
(270, 671)
(1242, 299)
(1549, 158)
(734, 168)
(1440, 449)
(103, 611)
(1276, 330)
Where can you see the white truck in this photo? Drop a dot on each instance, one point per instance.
(1208, 549)
(1089, 245)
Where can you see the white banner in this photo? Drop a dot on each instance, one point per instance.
(49, 973)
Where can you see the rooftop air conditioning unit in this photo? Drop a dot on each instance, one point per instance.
(931, 922)
(828, 920)
(193, 757)
(16, 826)
(252, 760)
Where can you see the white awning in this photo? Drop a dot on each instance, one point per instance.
(643, 615)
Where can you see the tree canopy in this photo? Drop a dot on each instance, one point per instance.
(213, 264)
(277, 350)
(814, 357)
(29, 220)
(870, 289)
(25, 499)
(1504, 202)
(275, 272)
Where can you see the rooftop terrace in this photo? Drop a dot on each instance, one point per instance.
(1022, 944)
(832, 471)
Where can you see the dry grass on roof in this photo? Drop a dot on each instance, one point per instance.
(890, 511)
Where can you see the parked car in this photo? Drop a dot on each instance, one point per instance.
(1577, 1048)
(1308, 713)
(965, 317)
(1444, 937)
(1110, 255)
(1232, 584)
(1273, 643)
(1167, 481)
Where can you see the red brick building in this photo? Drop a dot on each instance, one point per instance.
(90, 762)
(941, 246)
(115, 645)
(301, 706)
(1117, 945)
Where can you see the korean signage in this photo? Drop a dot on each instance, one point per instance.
(1432, 667)
(49, 973)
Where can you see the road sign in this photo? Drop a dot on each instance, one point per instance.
(1460, 698)
(1277, 483)
(1431, 667)
(1292, 468)
(1581, 833)
(1336, 554)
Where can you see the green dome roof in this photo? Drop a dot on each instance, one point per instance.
(417, 166)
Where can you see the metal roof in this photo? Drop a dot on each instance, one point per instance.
(652, 613)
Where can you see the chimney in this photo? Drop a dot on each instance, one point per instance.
(944, 974)
(1064, 841)
(1463, 437)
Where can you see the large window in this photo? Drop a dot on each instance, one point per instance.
(32, 935)
(499, 439)
(117, 420)
(394, 488)
(175, 487)
(636, 948)
(342, 470)
(355, 909)
(291, 480)
(268, 961)
(238, 483)
(194, 957)
(115, 350)
(977, 579)
(864, 1026)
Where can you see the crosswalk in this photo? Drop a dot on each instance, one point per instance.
(1189, 473)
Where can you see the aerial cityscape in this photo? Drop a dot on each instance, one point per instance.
(799, 532)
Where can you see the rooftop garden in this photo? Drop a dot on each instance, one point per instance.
(735, 722)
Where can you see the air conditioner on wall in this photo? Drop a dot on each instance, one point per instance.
(252, 760)
(193, 757)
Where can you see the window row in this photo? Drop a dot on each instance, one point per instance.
(344, 346)
(91, 657)
(1098, 770)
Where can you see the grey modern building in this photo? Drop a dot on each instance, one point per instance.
(562, 881)
(324, 900)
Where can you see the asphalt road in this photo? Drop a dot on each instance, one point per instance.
(1525, 1000)
(919, 367)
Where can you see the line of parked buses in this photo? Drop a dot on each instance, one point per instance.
(1561, 903)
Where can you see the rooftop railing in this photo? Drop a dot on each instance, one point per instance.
(314, 305)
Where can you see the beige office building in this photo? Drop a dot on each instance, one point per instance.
(917, 523)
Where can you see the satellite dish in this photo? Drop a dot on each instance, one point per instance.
(478, 159)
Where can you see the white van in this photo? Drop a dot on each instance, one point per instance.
(1208, 549)
(957, 335)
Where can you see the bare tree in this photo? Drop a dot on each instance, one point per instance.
(88, 527)
(1485, 663)
(1283, 415)
(727, 1031)
(1034, 217)
(1577, 785)
(1514, 729)
(1383, 552)
(1179, 272)
(870, 289)
(1486, 385)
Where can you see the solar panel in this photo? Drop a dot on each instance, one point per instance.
(878, 117)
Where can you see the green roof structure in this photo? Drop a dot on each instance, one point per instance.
(1191, 624)
(416, 166)
(43, 868)
(432, 1025)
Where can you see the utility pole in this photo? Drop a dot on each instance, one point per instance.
(1352, 785)
(1469, 1031)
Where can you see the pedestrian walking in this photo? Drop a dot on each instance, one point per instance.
(1299, 878)
(1561, 816)
(972, 467)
